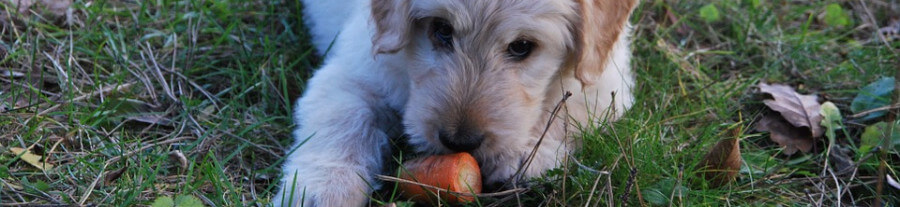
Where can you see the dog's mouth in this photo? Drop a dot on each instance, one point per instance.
(481, 154)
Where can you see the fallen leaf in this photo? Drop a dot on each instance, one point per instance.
(874, 135)
(111, 176)
(164, 201)
(34, 160)
(840, 160)
(799, 110)
(188, 201)
(835, 16)
(653, 196)
(831, 120)
(709, 13)
(876, 94)
(179, 156)
(722, 163)
(660, 192)
(786, 135)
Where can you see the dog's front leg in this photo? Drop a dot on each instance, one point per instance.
(342, 145)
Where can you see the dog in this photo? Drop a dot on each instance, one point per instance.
(483, 77)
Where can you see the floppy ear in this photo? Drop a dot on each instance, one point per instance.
(602, 21)
(392, 21)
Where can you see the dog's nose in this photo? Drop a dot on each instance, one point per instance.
(462, 140)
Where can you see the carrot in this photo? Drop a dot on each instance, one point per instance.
(452, 172)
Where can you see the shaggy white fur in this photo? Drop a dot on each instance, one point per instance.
(452, 75)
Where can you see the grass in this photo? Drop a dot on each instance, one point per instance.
(135, 100)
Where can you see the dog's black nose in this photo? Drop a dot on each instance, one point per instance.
(461, 140)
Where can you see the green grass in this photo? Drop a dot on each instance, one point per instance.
(214, 81)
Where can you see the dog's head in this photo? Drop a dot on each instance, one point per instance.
(479, 71)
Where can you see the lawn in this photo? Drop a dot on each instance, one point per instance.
(127, 103)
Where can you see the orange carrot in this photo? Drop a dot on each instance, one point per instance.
(453, 172)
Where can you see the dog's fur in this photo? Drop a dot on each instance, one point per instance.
(385, 75)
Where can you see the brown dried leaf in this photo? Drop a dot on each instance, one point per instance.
(799, 110)
(179, 156)
(114, 175)
(30, 158)
(790, 137)
(721, 165)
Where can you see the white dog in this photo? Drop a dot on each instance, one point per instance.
(452, 75)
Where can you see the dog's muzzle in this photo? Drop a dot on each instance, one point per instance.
(463, 139)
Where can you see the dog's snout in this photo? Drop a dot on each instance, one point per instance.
(461, 140)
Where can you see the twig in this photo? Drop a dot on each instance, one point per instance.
(594, 188)
(628, 185)
(527, 163)
(809, 196)
(609, 189)
(867, 112)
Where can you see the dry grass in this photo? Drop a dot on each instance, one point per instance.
(133, 100)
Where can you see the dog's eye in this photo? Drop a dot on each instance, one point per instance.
(520, 49)
(443, 32)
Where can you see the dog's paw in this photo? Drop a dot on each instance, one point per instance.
(336, 187)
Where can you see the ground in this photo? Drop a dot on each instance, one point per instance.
(134, 101)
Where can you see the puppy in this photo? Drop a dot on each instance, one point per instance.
(452, 75)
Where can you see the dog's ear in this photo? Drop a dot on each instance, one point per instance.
(601, 23)
(392, 21)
